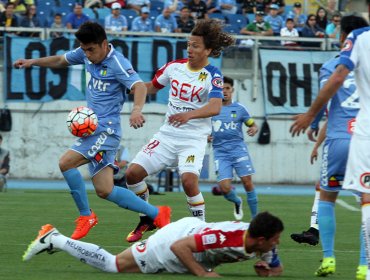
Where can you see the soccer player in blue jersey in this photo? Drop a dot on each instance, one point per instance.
(343, 110)
(108, 75)
(231, 152)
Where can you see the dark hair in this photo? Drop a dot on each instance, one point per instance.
(213, 36)
(308, 18)
(265, 225)
(91, 32)
(352, 22)
(58, 15)
(1, 137)
(289, 19)
(228, 80)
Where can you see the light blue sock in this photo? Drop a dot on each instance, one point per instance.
(127, 199)
(327, 226)
(78, 190)
(252, 201)
(362, 248)
(231, 196)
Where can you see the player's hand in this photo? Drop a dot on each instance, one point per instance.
(262, 268)
(252, 130)
(211, 274)
(22, 63)
(137, 119)
(312, 134)
(209, 138)
(178, 119)
(301, 122)
(314, 155)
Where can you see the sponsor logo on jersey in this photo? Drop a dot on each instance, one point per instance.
(99, 142)
(190, 159)
(365, 180)
(347, 46)
(98, 85)
(351, 126)
(99, 157)
(141, 247)
(218, 82)
(202, 76)
(185, 91)
(335, 181)
(209, 239)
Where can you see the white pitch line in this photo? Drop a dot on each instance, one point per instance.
(347, 206)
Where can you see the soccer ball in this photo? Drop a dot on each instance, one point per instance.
(82, 121)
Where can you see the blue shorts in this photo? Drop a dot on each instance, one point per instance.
(100, 148)
(333, 166)
(225, 162)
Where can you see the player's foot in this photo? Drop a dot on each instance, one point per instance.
(83, 225)
(164, 216)
(238, 210)
(41, 243)
(326, 268)
(310, 236)
(145, 224)
(361, 272)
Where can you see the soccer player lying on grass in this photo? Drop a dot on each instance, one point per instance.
(187, 245)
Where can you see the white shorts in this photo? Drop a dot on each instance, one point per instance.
(358, 165)
(163, 150)
(154, 254)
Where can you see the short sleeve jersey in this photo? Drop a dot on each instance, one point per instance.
(189, 90)
(344, 105)
(355, 56)
(227, 127)
(106, 84)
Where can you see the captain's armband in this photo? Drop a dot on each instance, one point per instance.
(249, 122)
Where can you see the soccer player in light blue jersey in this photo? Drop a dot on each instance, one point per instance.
(231, 152)
(108, 75)
(343, 109)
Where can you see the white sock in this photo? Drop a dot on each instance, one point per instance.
(314, 222)
(365, 209)
(141, 190)
(88, 253)
(196, 206)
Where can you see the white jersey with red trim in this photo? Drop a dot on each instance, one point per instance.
(217, 243)
(189, 90)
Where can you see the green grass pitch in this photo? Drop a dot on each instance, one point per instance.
(22, 212)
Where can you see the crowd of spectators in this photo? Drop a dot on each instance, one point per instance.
(259, 17)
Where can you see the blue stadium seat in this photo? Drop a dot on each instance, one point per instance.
(217, 16)
(237, 20)
(156, 5)
(89, 12)
(153, 15)
(67, 3)
(102, 13)
(61, 10)
(44, 8)
(251, 17)
(130, 15)
(232, 29)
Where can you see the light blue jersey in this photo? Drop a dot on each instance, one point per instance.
(343, 109)
(106, 85)
(229, 148)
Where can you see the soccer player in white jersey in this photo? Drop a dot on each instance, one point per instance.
(353, 57)
(188, 245)
(195, 96)
(108, 75)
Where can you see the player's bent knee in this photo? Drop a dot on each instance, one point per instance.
(102, 194)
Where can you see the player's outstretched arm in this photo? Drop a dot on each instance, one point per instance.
(55, 61)
(184, 249)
